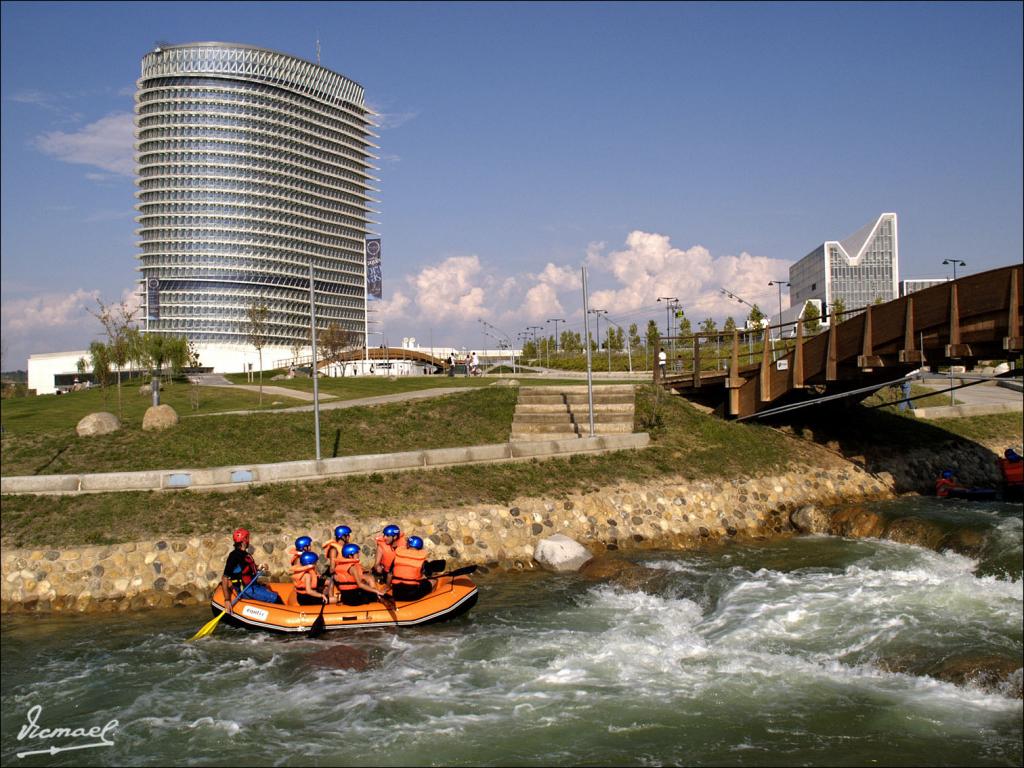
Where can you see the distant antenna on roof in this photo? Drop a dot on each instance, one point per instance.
(318, 47)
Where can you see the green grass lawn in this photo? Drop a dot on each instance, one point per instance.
(473, 418)
(48, 413)
(685, 443)
(688, 443)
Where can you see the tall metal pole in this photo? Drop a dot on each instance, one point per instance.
(312, 336)
(586, 344)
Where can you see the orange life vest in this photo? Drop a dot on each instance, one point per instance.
(408, 566)
(333, 545)
(387, 558)
(343, 579)
(1013, 471)
(943, 486)
(299, 577)
(293, 555)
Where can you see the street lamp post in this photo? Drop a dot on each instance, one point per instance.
(556, 321)
(629, 352)
(779, 284)
(668, 313)
(955, 263)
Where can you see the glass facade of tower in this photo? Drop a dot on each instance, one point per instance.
(252, 166)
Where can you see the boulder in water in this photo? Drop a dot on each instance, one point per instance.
(605, 567)
(560, 553)
(915, 530)
(340, 657)
(964, 541)
(101, 423)
(857, 523)
(996, 674)
(810, 519)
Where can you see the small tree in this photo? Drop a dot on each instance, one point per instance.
(653, 336)
(177, 353)
(634, 337)
(812, 318)
(100, 355)
(709, 326)
(258, 332)
(334, 341)
(729, 326)
(81, 366)
(154, 350)
(838, 308)
(122, 338)
(756, 317)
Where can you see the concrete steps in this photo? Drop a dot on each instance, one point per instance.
(546, 413)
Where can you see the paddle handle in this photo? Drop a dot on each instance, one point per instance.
(243, 589)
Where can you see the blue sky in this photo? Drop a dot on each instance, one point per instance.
(675, 148)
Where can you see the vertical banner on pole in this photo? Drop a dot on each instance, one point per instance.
(374, 287)
(153, 298)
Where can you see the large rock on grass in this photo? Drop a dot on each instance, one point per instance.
(560, 553)
(101, 423)
(159, 417)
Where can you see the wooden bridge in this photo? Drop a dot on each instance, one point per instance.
(360, 353)
(977, 317)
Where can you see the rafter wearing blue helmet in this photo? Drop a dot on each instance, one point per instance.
(409, 579)
(308, 585)
(390, 539)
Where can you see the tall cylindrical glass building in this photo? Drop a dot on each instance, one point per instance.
(252, 166)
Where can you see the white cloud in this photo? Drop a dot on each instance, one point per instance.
(107, 143)
(50, 310)
(651, 267)
(454, 290)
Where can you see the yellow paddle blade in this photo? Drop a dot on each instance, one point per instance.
(209, 626)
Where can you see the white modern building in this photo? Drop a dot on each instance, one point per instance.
(912, 286)
(254, 181)
(860, 270)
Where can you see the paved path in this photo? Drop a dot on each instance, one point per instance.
(360, 401)
(987, 393)
(216, 380)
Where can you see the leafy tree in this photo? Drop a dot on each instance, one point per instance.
(257, 333)
(81, 365)
(156, 350)
(812, 318)
(634, 337)
(756, 317)
(708, 325)
(571, 343)
(685, 329)
(730, 325)
(118, 323)
(653, 335)
(334, 341)
(530, 350)
(838, 308)
(616, 339)
(100, 355)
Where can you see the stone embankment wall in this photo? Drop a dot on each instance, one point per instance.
(661, 514)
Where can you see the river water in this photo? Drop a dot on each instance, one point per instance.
(808, 651)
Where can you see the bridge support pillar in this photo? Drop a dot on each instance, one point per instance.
(798, 356)
(735, 381)
(1014, 340)
(909, 353)
(831, 373)
(867, 359)
(765, 372)
(954, 348)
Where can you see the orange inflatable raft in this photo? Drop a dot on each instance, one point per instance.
(451, 597)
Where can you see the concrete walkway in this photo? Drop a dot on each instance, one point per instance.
(977, 400)
(216, 380)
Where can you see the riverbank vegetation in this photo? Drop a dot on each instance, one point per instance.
(685, 442)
